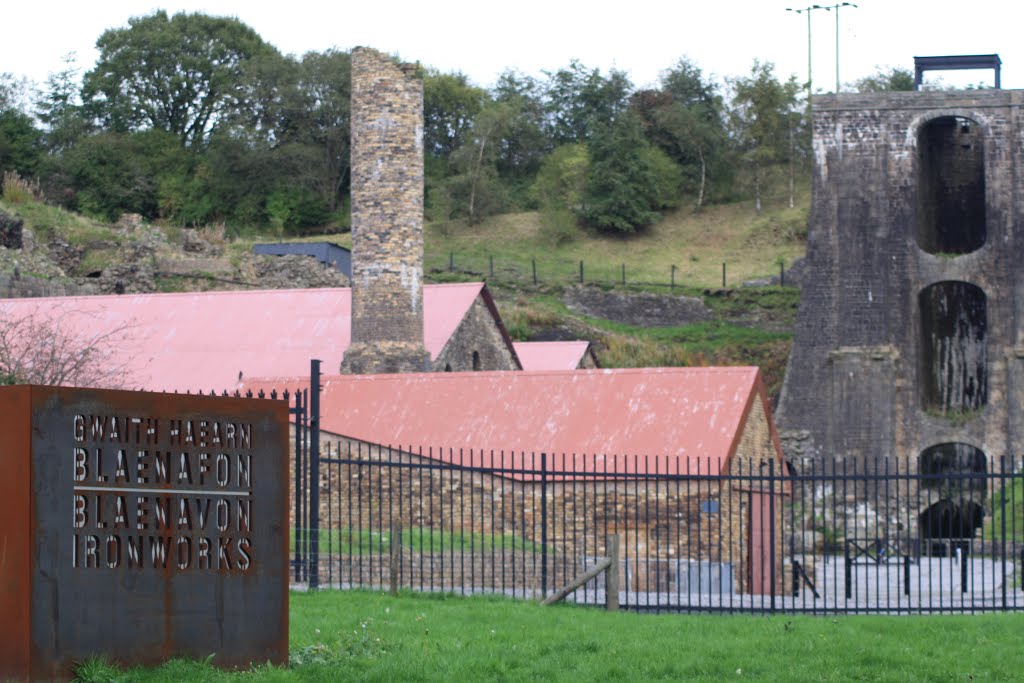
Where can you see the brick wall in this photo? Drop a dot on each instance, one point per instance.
(852, 392)
(664, 526)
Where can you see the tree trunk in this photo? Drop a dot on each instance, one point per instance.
(757, 187)
(703, 179)
(476, 175)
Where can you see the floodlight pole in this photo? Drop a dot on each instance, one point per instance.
(836, 8)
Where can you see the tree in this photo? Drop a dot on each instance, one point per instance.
(20, 140)
(763, 120)
(524, 144)
(620, 192)
(450, 104)
(178, 74)
(578, 100)
(20, 143)
(886, 80)
(36, 348)
(59, 107)
(475, 160)
(695, 123)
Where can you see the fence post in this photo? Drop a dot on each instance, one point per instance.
(1002, 537)
(533, 262)
(611, 579)
(581, 271)
(906, 574)
(301, 414)
(782, 273)
(771, 527)
(544, 524)
(451, 261)
(314, 474)
(492, 266)
(723, 274)
(965, 551)
(395, 558)
(623, 274)
(673, 277)
(849, 570)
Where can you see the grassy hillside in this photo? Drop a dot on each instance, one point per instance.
(750, 244)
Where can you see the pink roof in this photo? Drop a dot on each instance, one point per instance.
(685, 414)
(204, 340)
(556, 355)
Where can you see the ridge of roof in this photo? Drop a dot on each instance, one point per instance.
(220, 292)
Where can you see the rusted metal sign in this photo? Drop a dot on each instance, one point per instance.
(140, 526)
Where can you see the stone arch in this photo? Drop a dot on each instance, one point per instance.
(951, 209)
(953, 352)
(957, 468)
(946, 519)
(476, 360)
(957, 474)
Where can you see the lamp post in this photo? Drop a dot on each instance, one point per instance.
(807, 10)
(836, 8)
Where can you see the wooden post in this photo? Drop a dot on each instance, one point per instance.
(396, 555)
(611, 579)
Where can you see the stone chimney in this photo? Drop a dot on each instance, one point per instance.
(387, 217)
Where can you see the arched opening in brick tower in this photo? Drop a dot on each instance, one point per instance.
(953, 356)
(951, 186)
(956, 472)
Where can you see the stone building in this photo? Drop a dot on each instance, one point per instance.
(909, 344)
(661, 422)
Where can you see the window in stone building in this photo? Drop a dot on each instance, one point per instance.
(476, 360)
(447, 367)
(953, 356)
(950, 186)
(709, 507)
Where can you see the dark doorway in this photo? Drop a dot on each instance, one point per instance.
(951, 186)
(946, 519)
(958, 472)
(953, 356)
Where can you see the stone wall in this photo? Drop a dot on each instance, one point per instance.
(664, 525)
(477, 344)
(387, 217)
(853, 391)
(644, 309)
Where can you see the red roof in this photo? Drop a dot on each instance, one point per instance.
(204, 340)
(556, 355)
(692, 416)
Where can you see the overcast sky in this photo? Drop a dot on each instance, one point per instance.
(641, 37)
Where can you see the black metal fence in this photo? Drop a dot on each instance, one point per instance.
(941, 532)
(548, 270)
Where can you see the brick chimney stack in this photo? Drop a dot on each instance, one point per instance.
(387, 217)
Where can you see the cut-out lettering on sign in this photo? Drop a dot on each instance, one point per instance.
(161, 493)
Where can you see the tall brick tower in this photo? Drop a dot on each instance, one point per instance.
(909, 345)
(387, 217)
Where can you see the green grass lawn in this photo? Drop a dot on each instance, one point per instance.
(359, 636)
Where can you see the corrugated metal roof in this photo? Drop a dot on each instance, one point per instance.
(555, 355)
(692, 416)
(203, 340)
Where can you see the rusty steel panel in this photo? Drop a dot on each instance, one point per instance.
(15, 522)
(156, 527)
